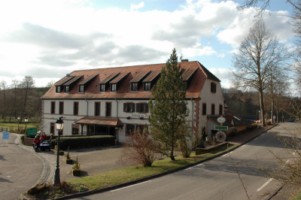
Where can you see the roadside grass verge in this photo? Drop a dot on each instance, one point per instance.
(297, 196)
(134, 173)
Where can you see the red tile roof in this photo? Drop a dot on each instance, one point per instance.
(193, 70)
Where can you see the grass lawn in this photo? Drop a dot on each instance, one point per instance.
(14, 126)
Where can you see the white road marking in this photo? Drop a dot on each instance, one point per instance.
(130, 186)
(265, 184)
(199, 165)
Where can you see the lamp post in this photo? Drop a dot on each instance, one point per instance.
(59, 127)
(18, 118)
(25, 120)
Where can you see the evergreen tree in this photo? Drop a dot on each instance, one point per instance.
(168, 107)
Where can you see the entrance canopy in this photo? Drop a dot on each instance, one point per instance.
(102, 121)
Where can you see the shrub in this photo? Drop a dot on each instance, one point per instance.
(76, 165)
(141, 149)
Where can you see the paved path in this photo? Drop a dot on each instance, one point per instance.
(19, 168)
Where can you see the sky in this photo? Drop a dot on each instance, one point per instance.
(47, 39)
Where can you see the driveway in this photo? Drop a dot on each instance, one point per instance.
(19, 169)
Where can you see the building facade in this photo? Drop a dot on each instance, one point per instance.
(115, 100)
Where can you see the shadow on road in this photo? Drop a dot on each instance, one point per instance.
(5, 180)
(2, 157)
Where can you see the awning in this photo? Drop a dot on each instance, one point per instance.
(104, 121)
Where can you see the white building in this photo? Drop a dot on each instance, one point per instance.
(115, 100)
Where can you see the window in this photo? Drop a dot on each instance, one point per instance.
(75, 108)
(204, 109)
(103, 87)
(61, 107)
(142, 107)
(108, 109)
(52, 128)
(58, 89)
(52, 107)
(220, 110)
(129, 129)
(97, 108)
(134, 86)
(67, 88)
(213, 87)
(129, 107)
(81, 88)
(113, 87)
(147, 86)
(212, 109)
(75, 129)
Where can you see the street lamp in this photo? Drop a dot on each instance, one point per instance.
(25, 120)
(59, 124)
(18, 118)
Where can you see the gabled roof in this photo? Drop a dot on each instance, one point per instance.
(187, 74)
(139, 76)
(151, 76)
(88, 79)
(193, 71)
(119, 78)
(64, 80)
(73, 80)
(108, 78)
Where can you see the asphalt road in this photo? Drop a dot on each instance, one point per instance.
(240, 174)
(20, 169)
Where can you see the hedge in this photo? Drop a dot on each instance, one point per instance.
(85, 141)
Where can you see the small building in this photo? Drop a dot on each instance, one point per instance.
(115, 100)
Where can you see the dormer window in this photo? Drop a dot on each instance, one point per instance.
(67, 88)
(113, 87)
(58, 89)
(84, 84)
(81, 88)
(134, 86)
(147, 86)
(102, 87)
(150, 80)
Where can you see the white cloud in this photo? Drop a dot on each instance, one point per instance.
(64, 35)
(278, 23)
(137, 6)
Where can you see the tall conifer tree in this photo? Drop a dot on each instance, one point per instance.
(168, 107)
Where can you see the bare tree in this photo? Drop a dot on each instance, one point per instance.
(296, 20)
(277, 87)
(266, 3)
(26, 84)
(259, 52)
(3, 101)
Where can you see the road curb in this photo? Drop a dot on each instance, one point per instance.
(81, 194)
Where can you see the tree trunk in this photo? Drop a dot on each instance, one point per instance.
(262, 111)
